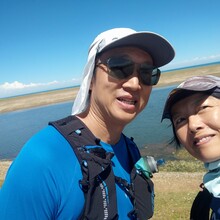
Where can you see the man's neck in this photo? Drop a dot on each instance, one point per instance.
(107, 131)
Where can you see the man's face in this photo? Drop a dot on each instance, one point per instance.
(196, 120)
(119, 100)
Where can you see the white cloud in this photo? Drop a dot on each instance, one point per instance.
(18, 88)
(18, 85)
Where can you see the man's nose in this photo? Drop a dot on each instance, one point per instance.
(133, 82)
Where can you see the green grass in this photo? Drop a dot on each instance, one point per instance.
(174, 197)
(173, 205)
(183, 162)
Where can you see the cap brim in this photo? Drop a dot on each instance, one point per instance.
(159, 48)
(177, 95)
(204, 83)
(174, 96)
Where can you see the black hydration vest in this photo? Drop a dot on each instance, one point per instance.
(201, 206)
(98, 182)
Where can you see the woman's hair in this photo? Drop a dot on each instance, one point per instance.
(174, 140)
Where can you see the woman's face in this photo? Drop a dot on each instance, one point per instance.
(196, 120)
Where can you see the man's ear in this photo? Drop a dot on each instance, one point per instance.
(92, 80)
(91, 85)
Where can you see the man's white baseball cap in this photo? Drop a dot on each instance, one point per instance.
(157, 46)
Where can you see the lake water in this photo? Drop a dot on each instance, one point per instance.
(147, 130)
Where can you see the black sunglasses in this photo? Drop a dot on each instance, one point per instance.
(122, 68)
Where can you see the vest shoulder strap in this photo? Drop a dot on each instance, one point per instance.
(201, 205)
(75, 132)
(98, 182)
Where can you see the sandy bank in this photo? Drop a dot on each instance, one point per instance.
(38, 99)
(58, 96)
(4, 165)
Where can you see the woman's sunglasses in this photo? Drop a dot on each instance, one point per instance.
(122, 68)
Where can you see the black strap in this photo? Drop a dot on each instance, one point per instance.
(143, 191)
(98, 186)
(75, 131)
(98, 177)
(200, 209)
(141, 194)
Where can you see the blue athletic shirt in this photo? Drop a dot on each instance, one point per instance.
(42, 182)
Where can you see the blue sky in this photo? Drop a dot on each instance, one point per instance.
(44, 43)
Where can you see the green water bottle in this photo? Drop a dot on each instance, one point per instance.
(148, 165)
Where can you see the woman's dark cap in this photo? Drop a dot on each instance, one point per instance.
(206, 83)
